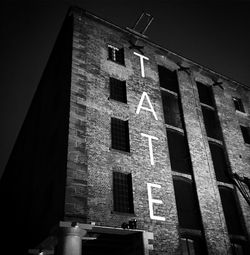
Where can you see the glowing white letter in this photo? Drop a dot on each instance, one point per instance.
(151, 201)
(150, 137)
(141, 62)
(151, 109)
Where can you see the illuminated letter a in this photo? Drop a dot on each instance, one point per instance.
(150, 109)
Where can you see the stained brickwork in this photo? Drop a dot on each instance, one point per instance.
(91, 160)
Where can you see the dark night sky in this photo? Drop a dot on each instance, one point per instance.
(215, 34)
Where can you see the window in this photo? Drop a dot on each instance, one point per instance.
(219, 162)
(179, 152)
(168, 79)
(231, 212)
(238, 104)
(115, 54)
(246, 134)
(187, 204)
(120, 134)
(205, 94)
(187, 246)
(237, 249)
(118, 90)
(122, 192)
(211, 123)
(171, 109)
(193, 245)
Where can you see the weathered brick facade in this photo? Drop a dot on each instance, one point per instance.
(79, 192)
(91, 159)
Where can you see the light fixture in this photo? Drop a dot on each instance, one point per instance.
(125, 225)
(74, 224)
(40, 252)
(132, 224)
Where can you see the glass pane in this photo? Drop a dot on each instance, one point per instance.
(168, 79)
(171, 110)
(205, 94)
(211, 123)
(179, 152)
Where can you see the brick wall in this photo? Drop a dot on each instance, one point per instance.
(91, 159)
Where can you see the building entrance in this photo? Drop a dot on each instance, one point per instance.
(114, 244)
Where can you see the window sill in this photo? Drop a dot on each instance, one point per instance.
(247, 145)
(169, 91)
(244, 114)
(225, 184)
(119, 102)
(210, 139)
(237, 237)
(123, 213)
(120, 151)
(116, 62)
(179, 174)
(208, 106)
(174, 128)
(190, 231)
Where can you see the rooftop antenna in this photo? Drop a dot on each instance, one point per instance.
(139, 29)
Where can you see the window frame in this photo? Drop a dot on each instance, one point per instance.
(170, 76)
(212, 128)
(238, 105)
(220, 175)
(201, 87)
(118, 142)
(125, 206)
(245, 131)
(172, 154)
(117, 90)
(229, 209)
(116, 54)
(197, 214)
(176, 119)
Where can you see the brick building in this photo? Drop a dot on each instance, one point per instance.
(128, 148)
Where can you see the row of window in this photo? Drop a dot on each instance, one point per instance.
(188, 210)
(186, 197)
(171, 104)
(169, 81)
(222, 170)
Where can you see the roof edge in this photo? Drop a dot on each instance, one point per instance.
(84, 12)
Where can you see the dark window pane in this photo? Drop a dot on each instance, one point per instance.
(120, 134)
(238, 104)
(110, 53)
(187, 246)
(211, 123)
(219, 162)
(239, 247)
(122, 192)
(187, 205)
(231, 212)
(120, 56)
(205, 94)
(118, 90)
(168, 79)
(179, 152)
(171, 109)
(115, 54)
(246, 134)
(193, 245)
